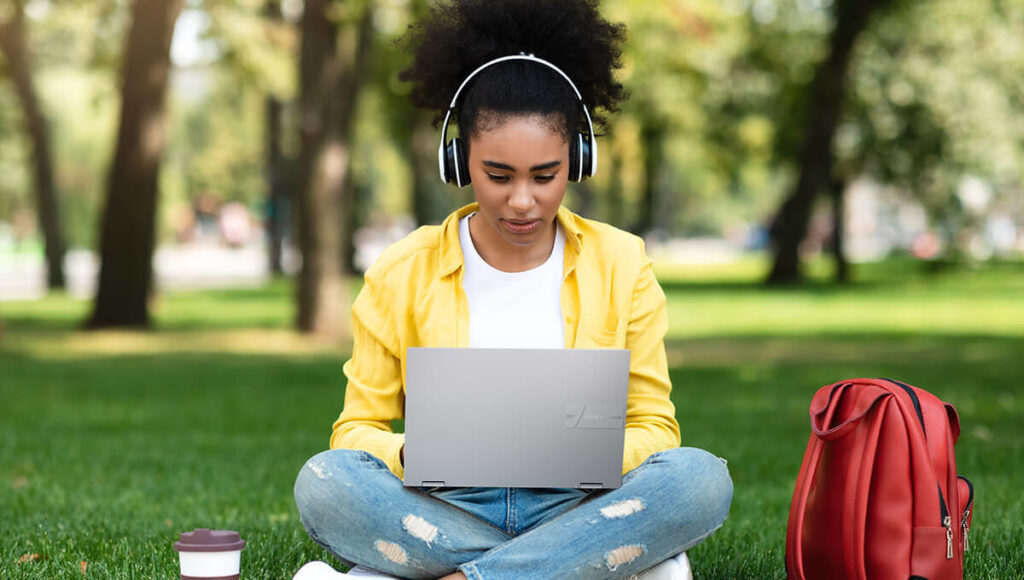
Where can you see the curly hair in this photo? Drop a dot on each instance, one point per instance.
(457, 36)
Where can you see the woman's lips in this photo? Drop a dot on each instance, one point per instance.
(521, 226)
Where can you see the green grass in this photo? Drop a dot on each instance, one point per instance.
(113, 443)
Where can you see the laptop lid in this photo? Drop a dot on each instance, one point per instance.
(500, 417)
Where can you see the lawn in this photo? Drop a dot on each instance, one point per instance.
(113, 443)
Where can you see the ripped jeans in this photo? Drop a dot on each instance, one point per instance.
(351, 503)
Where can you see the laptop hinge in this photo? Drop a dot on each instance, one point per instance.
(589, 486)
(432, 484)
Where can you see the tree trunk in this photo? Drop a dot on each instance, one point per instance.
(815, 157)
(616, 203)
(129, 217)
(275, 218)
(651, 136)
(14, 47)
(332, 63)
(274, 168)
(422, 153)
(842, 267)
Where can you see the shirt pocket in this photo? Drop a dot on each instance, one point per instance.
(611, 336)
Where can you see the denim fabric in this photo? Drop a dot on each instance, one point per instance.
(351, 503)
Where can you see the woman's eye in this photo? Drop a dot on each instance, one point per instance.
(544, 178)
(498, 178)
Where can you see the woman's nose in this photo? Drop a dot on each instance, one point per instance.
(521, 198)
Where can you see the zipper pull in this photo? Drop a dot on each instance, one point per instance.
(949, 537)
(967, 530)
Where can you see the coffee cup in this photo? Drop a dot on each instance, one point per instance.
(207, 554)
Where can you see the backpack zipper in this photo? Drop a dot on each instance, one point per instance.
(967, 511)
(946, 523)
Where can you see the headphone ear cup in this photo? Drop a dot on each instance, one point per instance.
(580, 159)
(443, 155)
(456, 167)
(461, 160)
(574, 158)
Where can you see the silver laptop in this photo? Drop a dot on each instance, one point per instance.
(497, 417)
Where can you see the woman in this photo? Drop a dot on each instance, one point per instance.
(514, 269)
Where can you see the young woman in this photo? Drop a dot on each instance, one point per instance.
(514, 269)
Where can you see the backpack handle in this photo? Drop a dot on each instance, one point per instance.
(822, 409)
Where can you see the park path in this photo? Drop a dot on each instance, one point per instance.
(180, 267)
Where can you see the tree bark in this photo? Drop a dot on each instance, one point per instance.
(842, 266)
(274, 167)
(14, 46)
(332, 63)
(815, 157)
(276, 202)
(651, 136)
(616, 203)
(129, 217)
(421, 150)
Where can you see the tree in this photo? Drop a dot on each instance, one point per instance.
(932, 98)
(676, 64)
(815, 157)
(258, 47)
(127, 231)
(334, 49)
(408, 127)
(275, 166)
(14, 47)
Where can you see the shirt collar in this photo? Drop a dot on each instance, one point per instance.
(451, 252)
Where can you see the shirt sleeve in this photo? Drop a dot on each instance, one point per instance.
(374, 395)
(651, 425)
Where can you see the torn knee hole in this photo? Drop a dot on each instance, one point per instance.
(392, 551)
(623, 508)
(319, 468)
(623, 555)
(420, 528)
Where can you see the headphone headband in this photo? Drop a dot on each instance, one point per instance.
(521, 56)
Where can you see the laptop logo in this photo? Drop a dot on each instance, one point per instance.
(579, 416)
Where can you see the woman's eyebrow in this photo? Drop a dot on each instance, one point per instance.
(547, 165)
(539, 167)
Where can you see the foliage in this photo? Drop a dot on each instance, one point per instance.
(934, 98)
(217, 146)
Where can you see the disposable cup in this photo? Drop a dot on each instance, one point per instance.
(207, 554)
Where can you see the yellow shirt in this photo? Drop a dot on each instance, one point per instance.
(413, 297)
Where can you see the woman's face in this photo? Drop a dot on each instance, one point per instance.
(519, 172)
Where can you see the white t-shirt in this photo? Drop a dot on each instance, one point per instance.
(513, 309)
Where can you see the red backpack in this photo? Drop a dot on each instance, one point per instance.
(878, 495)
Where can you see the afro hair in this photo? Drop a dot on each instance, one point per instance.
(457, 36)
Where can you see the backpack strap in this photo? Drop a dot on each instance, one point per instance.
(809, 468)
(823, 409)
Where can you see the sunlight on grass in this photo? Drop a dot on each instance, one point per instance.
(72, 345)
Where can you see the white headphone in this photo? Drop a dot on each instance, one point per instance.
(451, 157)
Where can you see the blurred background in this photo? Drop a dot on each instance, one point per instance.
(190, 189)
(227, 142)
